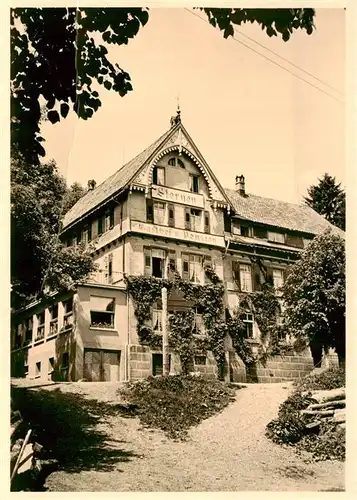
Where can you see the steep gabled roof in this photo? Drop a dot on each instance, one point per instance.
(291, 216)
(114, 184)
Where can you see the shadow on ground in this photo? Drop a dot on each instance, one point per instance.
(65, 425)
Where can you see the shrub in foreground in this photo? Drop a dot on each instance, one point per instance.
(329, 443)
(176, 403)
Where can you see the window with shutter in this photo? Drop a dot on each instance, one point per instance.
(171, 215)
(111, 218)
(207, 224)
(294, 241)
(149, 211)
(187, 219)
(193, 183)
(110, 268)
(158, 176)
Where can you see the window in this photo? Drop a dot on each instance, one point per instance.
(28, 330)
(260, 232)
(278, 278)
(51, 365)
(195, 220)
(248, 321)
(176, 162)
(244, 230)
(172, 261)
(74, 240)
(109, 219)
(40, 326)
(158, 176)
(17, 336)
(245, 276)
(276, 237)
(26, 362)
(200, 360)
(110, 268)
(154, 262)
(294, 241)
(102, 312)
(207, 224)
(54, 319)
(157, 319)
(86, 235)
(100, 226)
(159, 212)
(192, 268)
(227, 223)
(68, 313)
(38, 369)
(171, 215)
(235, 229)
(193, 183)
(149, 211)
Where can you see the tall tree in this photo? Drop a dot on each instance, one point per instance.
(74, 193)
(56, 59)
(38, 259)
(314, 295)
(328, 199)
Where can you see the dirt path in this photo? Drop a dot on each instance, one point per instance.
(227, 452)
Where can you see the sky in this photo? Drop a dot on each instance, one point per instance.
(246, 114)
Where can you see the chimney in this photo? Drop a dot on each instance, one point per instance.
(240, 184)
(91, 185)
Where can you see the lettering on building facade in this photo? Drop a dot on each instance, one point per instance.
(175, 195)
(177, 234)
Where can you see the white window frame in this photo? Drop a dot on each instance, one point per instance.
(110, 325)
(196, 219)
(191, 183)
(245, 276)
(249, 320)
(195, 268)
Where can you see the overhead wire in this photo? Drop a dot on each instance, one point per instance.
(275, 62)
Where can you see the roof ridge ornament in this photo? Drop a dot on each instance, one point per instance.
(175, 120)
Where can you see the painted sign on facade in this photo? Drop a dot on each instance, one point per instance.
(177, 196)
(177, 234)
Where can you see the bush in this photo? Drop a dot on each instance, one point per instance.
(330, 379)
(289, 427)
(175, 403)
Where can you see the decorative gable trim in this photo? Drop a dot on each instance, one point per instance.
(180, 148)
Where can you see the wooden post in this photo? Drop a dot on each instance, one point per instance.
(165, 335)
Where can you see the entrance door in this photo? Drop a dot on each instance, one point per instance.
(101, 365)
(157, 364)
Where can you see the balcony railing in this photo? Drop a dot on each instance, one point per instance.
(68, 321)
(54, 327)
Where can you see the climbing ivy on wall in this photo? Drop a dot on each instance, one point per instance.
(209, 300)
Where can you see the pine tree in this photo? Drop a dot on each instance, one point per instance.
(328, 199)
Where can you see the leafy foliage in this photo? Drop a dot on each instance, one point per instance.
(289, 427)
(328, 199)
(59, 56)
(176, 403)
(314, 294)
(73, 194)
(272, 21)
(181, 338)
(37, 194)
(329, 379)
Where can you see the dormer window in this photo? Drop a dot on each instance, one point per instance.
(158, 176)
(193, 183)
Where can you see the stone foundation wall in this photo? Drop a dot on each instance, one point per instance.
(281, 369)
(140, 364)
